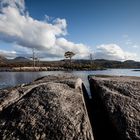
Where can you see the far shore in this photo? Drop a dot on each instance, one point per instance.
(137, 70)
(37, 69)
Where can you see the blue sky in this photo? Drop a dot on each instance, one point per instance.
(93, 22)
(102, 26)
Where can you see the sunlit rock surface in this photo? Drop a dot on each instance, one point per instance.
(50, 108)
(121, 100)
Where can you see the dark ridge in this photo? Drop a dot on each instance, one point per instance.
(21, 59)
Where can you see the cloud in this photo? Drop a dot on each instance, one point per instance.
(135, 46)
(8, 54)
(128, 42)
(79, 49)
(28, 32)
(113, 52)
(17, 26)
(17, 4)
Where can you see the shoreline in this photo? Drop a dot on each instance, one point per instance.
(42, 69)
(137, 70)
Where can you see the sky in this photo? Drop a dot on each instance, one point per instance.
(108, 29)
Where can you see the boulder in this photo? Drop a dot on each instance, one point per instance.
(120, 97)
(50, 108)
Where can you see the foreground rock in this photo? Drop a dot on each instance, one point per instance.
(121, 100)
(50, 108)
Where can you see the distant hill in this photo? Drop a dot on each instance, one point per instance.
(3, 61)
(117, 64)
(21, 59)
(2, 58)
(129, 61)
(110, 63)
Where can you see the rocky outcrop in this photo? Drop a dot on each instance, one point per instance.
(120, 97)
(50, 108)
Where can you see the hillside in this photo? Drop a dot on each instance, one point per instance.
(21, 59)
(2, 58)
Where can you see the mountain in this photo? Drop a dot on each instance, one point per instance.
(21, 59)
(129, 61)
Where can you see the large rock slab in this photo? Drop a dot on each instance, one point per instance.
(50, 108)
(121, 99)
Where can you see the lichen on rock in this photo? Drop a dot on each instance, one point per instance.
(50, 108)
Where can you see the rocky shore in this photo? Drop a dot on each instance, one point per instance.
(58, 108)
(118, 100)
(50, 108)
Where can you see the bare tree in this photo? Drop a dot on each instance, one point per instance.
(91, 60)
(34, 58)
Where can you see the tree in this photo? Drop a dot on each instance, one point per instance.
(69, 55)
(91, 60)
(34, 58)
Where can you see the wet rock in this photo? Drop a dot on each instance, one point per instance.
(50, 108)
(120, 97)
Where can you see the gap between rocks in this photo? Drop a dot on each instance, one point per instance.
(102, 127)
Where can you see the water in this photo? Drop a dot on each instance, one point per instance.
(8, 79)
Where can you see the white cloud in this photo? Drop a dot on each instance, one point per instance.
(135, 46)
(49, 18)
(58, 50)
(8, 54)
(28, 32)
(47, 37)
(17, 4)
(113, 52)
(79, 49)
(17, 26)
(128, 42)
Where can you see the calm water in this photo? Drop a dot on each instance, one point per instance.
(8, 79)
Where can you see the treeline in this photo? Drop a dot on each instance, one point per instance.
(75, 64)
(117, 64)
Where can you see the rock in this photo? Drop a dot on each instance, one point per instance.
(121, 99)
(50, 108)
